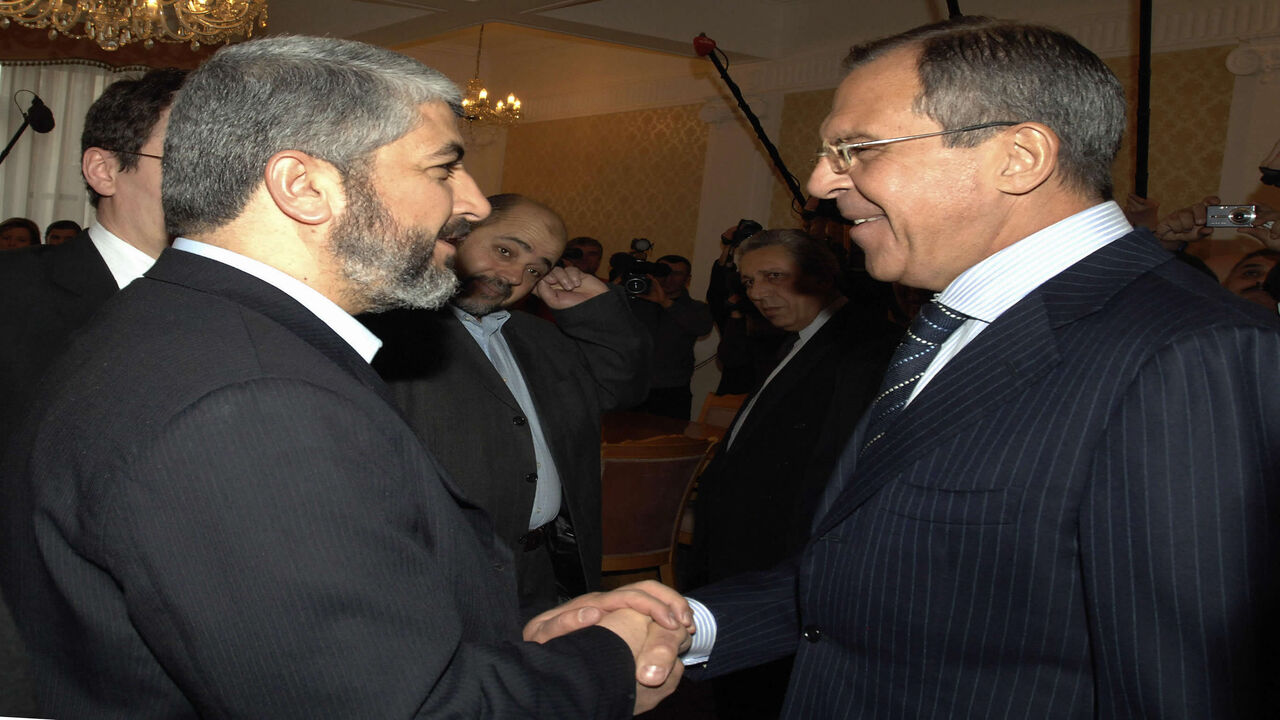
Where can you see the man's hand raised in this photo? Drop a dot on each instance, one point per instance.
(565, 287)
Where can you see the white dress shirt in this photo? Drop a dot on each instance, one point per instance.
(126, 262)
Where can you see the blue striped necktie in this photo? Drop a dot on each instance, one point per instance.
(918, 348)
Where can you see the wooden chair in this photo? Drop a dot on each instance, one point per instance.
(719, 410)
(645, 485)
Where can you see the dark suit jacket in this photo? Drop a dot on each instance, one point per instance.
(1076, 518)
(221, 514)
(594, 359)
(47, 292)
(756, 500)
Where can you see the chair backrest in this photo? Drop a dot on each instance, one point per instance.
(644, 487)
(719, 410)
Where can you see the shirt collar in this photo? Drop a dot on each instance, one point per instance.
(986, 290)
(489, 324)
(821, 319)
(365, 343)
(126, 262)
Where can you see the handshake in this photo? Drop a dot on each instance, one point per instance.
(654, 620)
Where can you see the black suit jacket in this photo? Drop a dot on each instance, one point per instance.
(47, 293)
(756, 500)
(219, 513)
(1078, 517)
(594, 359)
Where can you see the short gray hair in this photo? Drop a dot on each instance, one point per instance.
(976, 70)
(338, 100)
(813, 258)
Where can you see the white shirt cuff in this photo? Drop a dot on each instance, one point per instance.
(705, 638)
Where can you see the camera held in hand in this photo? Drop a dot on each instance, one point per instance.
(746, 228)
(1228, 216)
(635, 272)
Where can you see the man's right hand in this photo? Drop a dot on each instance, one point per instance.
(1185, 225)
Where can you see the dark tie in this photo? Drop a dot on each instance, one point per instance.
(919, 346)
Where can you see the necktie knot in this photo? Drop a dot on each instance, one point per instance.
(930, 328)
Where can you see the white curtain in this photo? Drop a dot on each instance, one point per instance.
(41, 179)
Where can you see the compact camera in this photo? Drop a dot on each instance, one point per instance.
(1229, 216)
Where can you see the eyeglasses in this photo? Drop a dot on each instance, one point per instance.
(131, 152)
(840, 155)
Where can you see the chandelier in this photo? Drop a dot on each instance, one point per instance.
(116, 23)
(476, 107)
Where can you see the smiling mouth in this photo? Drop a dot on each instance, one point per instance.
(858, 221)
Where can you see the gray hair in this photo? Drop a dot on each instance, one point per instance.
(817, 264)
(975, 70)
(338, 100)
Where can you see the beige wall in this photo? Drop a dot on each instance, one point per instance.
(615, 177)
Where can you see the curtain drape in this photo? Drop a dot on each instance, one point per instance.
(41, 179)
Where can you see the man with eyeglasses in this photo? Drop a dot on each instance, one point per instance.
(49, 291)
(1063, 502)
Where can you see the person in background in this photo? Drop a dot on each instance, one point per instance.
(60, 231)
(591, 254)
(18, 232)
(675, 321)
(511, 404)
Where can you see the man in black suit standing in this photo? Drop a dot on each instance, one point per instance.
(511, 403)
(1063, 501)
(757, 497)
(49, 291)
(246, 526)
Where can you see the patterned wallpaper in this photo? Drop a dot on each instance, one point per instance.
(616, 177)
(1190, 104)
(797, 140)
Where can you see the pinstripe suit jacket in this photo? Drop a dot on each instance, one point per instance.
(1076, 518)
(219, 513)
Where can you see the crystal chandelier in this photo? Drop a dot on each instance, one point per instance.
(115, 23)
(476, 107)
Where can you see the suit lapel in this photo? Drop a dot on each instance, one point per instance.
(79, 269)
(1015, 351)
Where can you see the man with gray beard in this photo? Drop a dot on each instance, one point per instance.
(246, 526)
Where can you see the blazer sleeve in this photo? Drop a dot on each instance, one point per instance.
(757, 619)
(1178, 534)
(615, 347)
(274, 573)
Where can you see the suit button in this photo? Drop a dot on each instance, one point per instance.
(531, 477)
(812, 633)
(519, 420)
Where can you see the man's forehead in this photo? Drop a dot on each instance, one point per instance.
(885, 85)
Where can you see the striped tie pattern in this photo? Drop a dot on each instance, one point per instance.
(928, 331)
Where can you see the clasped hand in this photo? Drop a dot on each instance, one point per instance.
(654, 620)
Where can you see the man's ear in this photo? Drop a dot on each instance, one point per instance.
(100, 168)
(1028, 158)
(304, 187)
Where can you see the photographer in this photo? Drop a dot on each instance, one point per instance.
(748, 347)
(674, 320)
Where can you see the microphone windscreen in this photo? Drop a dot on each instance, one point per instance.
(40, 116)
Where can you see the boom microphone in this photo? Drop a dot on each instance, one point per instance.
(39, 115)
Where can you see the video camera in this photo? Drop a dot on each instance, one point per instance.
(635, 272)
